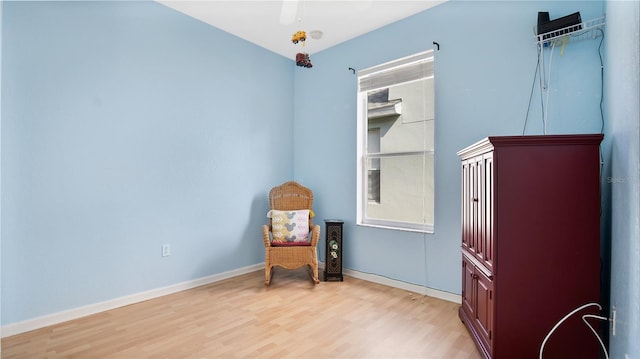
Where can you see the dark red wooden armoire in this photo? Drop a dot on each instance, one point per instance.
(531, 244)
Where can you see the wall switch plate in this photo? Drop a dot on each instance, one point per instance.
(166, 250)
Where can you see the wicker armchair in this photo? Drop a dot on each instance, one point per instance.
(290, 196)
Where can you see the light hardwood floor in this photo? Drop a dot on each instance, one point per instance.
(241, 318)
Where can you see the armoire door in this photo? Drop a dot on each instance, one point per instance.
(484, 306)
(468, 291)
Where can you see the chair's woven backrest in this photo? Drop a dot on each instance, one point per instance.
(289, 196)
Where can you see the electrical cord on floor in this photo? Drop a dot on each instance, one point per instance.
(584, 319)
(411, 294)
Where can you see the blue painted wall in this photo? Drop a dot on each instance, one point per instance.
(126, 125)
(484, 73)
(621, 184)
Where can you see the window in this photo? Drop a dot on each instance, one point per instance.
(396, 144)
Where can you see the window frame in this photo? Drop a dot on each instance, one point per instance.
(368, 76)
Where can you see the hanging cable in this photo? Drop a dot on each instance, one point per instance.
(541, 80)
(424, 176)
(601, 115)
(545, 118)
(533, 84)
(601, 81)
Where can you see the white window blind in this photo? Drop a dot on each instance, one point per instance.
(403, 70)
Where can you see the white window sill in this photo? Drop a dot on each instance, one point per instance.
(427, 229)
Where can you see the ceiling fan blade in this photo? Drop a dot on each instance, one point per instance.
(288, 12)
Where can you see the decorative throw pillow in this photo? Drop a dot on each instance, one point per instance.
(290, 226)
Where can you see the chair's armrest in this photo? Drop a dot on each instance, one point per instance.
(266, 229)
(315, 235)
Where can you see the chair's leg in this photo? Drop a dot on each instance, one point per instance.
(316, 278)
(314, 273)
(267, 275)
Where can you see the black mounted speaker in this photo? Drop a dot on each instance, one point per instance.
(333, 250)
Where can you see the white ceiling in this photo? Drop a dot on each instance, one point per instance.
(260, 21)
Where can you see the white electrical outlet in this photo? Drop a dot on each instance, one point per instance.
(613, 321)
(166, 250)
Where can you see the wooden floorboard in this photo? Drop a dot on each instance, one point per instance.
(241, 318)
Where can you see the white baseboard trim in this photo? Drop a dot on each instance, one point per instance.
(66, 315)
(455, 298)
